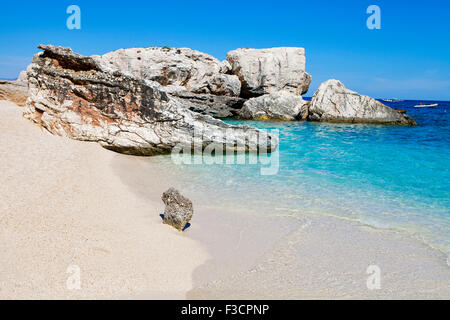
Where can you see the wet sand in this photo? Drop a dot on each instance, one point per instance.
(323, 258)
(258, 256)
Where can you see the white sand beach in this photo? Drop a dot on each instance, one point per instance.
(61, 205)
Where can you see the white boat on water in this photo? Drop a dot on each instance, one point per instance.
(426, 105)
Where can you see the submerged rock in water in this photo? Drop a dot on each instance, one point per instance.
(75, 96)
(179, 209)
(281, 105)
(335, 103)
(263, 71)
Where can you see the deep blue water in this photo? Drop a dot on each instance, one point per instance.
(384, 176)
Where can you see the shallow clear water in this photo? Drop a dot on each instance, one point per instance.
(384, 176)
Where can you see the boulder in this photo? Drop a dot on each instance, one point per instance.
(263, 71)
(178, 211)
(196, 71)
(333, 102)
(281, 105)
(75, 96)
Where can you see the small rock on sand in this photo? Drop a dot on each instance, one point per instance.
(178, 211)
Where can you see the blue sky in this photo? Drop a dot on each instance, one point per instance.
(408, 58)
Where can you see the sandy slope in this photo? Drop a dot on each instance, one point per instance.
(61, 205)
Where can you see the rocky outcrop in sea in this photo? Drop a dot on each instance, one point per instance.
(333, 102)
(82, 98)
(147, 101)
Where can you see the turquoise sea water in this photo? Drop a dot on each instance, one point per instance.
(384, 176)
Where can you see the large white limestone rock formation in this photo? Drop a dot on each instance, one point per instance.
(335, 103)
(263, 71)
(75, 96)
